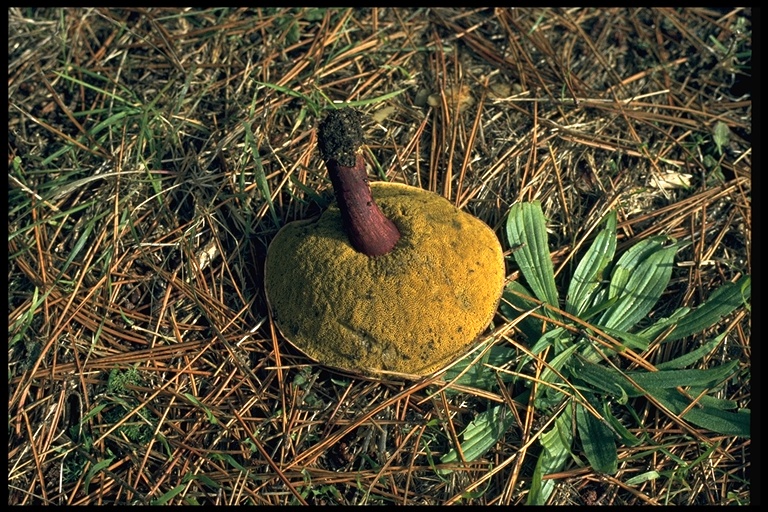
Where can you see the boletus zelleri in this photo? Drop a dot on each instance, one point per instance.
(389, 279)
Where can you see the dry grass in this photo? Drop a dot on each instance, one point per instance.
(153, 154)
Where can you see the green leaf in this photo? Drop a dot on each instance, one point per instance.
(481, 434)
(716, 403)
(721, 134)
(557, 363)
(625, 435)
(373, 101)
(640, 277)
(653, 331)
(629, 339)
(81, 242)
(597, 441)
(643, 477)
(93, 412)
(556, 448)
(168, 496)
(669, 379)
(292, 36)
(479, 375)
(211, 418)
(431, 461)
(513, 304)
(704, 416)
(527, 236)
(722, 302)
(606, 380)
(228, 458)
(202, 478)
(312, 104)
(590, 271)
(629, 261)
(95, 469)
(614, 383)
(692, 356)
(310, 192)
(315, 14)
(260, 176)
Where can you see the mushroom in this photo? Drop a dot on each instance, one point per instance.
(389, 279)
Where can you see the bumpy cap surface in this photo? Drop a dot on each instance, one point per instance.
(411, 311)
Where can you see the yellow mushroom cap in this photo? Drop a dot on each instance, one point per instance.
(410, 311)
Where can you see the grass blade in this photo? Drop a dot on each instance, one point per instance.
(260, 176)
(95, 469)
(168, 496)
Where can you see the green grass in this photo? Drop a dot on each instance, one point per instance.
(154, 153)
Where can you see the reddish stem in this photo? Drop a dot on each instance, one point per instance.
(369, 230)
(340, 137)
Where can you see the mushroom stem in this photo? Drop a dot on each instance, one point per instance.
(368, 229)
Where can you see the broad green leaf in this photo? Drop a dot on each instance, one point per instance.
(557, 337)
(557, 363)
(653, 331)
(693, 356)
(481, 434)
(597, 441)
(626, 436)
(716, 403)
(614, 383)
(478, 375)
(590, 271)
(668, 379)
(635, 341)
(527, 236)
(639, 285)
(607, 380)
(513, 305)
(704, 416)
(601, 303)
(722, 302)
(629, 261)
(721, 134)
(556, 448)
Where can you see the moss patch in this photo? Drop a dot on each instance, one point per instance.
(410, 311)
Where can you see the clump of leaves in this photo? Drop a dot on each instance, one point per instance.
(123, 401)
(605, 320)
